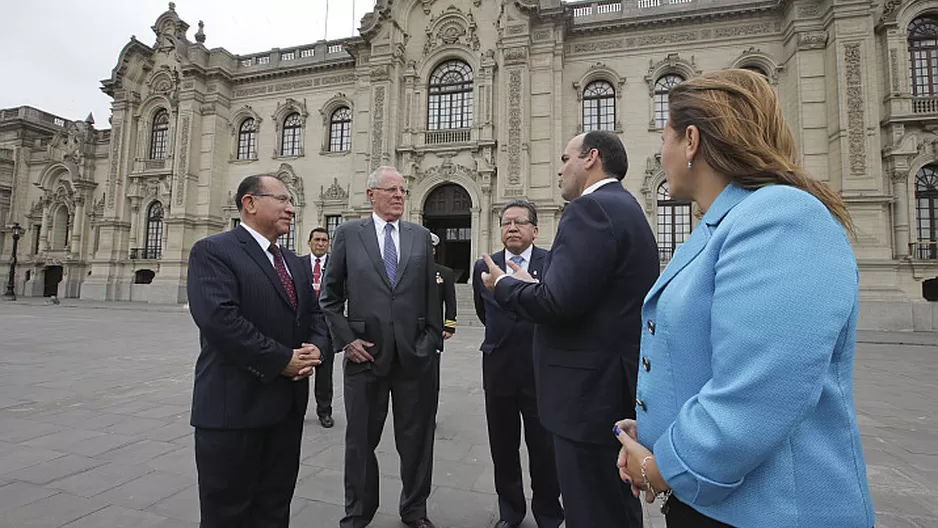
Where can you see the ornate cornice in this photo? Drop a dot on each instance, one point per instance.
(687, 14)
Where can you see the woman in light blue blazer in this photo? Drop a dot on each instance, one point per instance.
(744, 402)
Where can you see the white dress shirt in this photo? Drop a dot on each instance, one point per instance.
(597, 185)
(322, 262)
(526, 255)
(265, 244)
(395, 235)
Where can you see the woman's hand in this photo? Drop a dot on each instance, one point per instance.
(630, 461)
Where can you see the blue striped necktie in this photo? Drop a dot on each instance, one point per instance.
(390, 253)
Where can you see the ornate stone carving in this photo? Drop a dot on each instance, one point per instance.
(668, 38)
(517, 29)
(515, 55)
(448, 171)
(742, 30)
(115, 153)
(377, 129)
(894, 69)
(293, 183)
(599, 45)
(183, 172)
(812, 40)
(810, 10)
(673, 63)
(200, 34)
(380, 73)
(856, 127)
(890, 9)
(452, 26)
(544, 34)
(514, 127)
(335, 192)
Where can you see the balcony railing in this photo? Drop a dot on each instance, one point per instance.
(924, 250)
(925, 105)
(145, 253)
(437, 137)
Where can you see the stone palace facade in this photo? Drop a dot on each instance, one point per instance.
(473, 100)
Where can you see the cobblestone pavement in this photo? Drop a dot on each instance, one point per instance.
(94, 401)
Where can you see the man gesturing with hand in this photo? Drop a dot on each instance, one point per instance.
(261, 333)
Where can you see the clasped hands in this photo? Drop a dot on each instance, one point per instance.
(631, 455)
(303, 361)
(489, 277)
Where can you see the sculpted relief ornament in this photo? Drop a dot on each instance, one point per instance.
(450, 27)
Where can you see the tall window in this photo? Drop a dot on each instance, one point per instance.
(292, 128)
(247, 139)
(450, 101)
(60, 228)
(926, 211)
(599, 106)
(340, 130)
(332, 223)
(923, 51)
(673, 222)
(159, 135)
(288, 239)
(154, 247)
(662, 86)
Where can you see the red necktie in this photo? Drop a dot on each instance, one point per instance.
(317, 275)
(285, 278)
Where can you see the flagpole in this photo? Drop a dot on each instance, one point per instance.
(325, 30)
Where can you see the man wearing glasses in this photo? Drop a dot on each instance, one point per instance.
(381, 271)
(508, 380)
(262, 334)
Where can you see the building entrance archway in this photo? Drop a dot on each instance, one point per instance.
(52, 276)
(447, 212)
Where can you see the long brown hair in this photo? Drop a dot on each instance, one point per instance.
(743, 134)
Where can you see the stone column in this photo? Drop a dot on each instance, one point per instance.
(900, 186)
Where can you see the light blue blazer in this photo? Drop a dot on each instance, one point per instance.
(745, 387)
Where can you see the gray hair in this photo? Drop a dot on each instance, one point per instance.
(374, 179)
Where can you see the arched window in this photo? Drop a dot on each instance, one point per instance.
(60, 228)
(449, 105)
(159, 135)
(247, 139)
(926, 211)
(288, 240)
(154, 246)
(755, 69)
(662, 86)
(292, 129)
(673, 222)
(923, 51)
(340, 130)
(599, 106)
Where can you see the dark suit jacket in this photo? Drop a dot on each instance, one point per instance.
(404, 318)
(588, 308)
(248, 331)
(508, 338)
(308, 262)
(446, 282)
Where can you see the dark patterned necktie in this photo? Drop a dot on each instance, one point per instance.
(390, 253)
(285, 278)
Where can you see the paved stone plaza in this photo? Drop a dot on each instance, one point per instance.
(94, 433)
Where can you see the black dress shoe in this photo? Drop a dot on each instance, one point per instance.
(422, 522)
(506, 524)
(326, 421)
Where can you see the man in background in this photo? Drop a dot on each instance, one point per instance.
(446, 281)
(322, 379)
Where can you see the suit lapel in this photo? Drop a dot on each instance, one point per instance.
(536, 267)
(688, 251)
(407, 246)
(369, 240)
(257, 254)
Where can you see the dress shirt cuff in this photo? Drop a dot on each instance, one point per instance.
(500, 277)
(690, 487)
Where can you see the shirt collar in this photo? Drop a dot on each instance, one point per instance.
(597, 185)
(526, 254)
(261, 240)
(380, 223)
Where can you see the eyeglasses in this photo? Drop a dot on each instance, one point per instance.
(392, 190)
(282, 198)
(520, 222)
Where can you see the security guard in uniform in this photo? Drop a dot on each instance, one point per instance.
(446, 280)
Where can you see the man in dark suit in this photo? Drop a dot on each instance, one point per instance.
(508, 379)
(261, 333)
(446, 281)
(322, 380)
(382, 268)
(588, 313)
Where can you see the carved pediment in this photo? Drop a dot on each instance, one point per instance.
(335, 192)
(451, 27)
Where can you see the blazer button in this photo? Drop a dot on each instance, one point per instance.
(646, 363)
(641, 404)
(651, 327)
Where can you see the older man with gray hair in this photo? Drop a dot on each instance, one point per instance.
(382, 268)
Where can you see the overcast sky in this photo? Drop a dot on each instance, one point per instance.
(58, 51)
